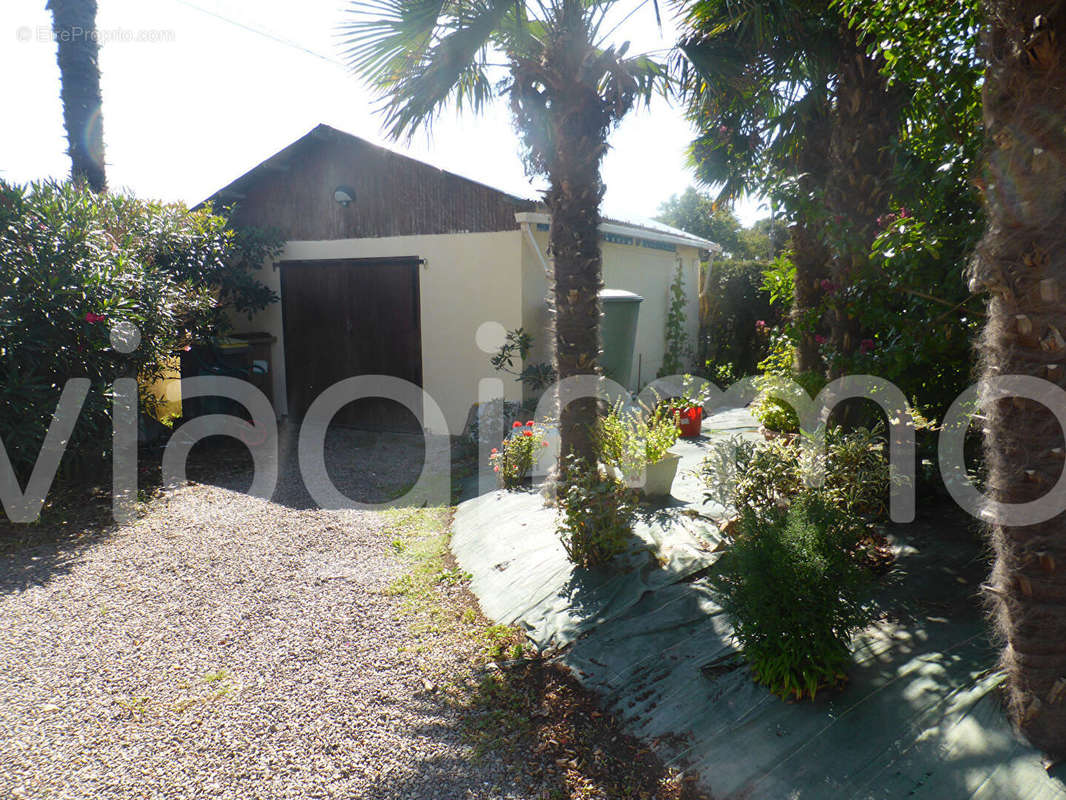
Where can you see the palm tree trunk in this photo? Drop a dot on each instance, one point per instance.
(578, 122)
(74, 27)
(811, 259)
(1022, 262)
(865, 116)
(574, 201)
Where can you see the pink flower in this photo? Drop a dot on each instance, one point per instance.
(760, 324)
(828, 286)
(543, 444)
(91, 317)
(820, 339)
(866, 345)
(903, 213)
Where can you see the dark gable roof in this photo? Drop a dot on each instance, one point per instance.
(395, 194)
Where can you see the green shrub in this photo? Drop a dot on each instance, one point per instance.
(777, 415)
(795, 595)
(733, 305)
(630, 440)
(758, 477)
(596, 515)
(72, 265)
(517, 454)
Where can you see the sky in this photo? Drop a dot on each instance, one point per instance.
(197, 92)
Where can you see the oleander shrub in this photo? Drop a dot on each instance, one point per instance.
(595, 515)
(795, 595)
(73, 264)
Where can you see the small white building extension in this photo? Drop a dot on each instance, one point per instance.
(391, 266)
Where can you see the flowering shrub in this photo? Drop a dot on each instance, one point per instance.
(72, 265)
(513, 460)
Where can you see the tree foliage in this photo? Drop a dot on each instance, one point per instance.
(73, 264)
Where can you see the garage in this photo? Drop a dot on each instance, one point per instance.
(348, 317)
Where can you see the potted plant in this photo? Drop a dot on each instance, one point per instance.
(632, 444)
(687, 407)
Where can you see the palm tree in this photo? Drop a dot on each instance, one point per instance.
(567, 88)
(791, 103)
(1022, 262)
(756, 77)
(865, 118)
(74, 28)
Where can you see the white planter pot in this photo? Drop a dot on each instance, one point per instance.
(659, 476)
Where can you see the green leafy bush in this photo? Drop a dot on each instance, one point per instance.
(630, 440)
(596, 515)
(516, 347)
(517, 454)
(736, 313)
(795, 595)
(72, 265)
(759, 477)
(777, 415)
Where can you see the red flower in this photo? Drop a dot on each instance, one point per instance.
(529, 424)
(527, 433)
(91, 317)
(866, 345)
(495, 451)
(828, 286)
(517, 424)
(820, 339)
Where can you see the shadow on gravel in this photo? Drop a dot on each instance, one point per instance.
(368, 467)
(32, 554)
(365, 466)
(535, 732)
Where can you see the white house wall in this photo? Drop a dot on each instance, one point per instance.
(647, 271)
(467, 279)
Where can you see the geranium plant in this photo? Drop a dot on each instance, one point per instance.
(513, 460)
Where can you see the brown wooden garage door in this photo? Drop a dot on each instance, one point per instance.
(351, 317)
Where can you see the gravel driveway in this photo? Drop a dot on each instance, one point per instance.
(228, 647)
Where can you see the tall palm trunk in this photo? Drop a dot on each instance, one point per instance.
(74, 26)
(578, 123)
(864, 120)
(1022, 261)
(811, 259)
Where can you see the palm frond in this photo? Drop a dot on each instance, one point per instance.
(425, 55)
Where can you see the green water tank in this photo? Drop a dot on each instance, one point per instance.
(618, 329)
